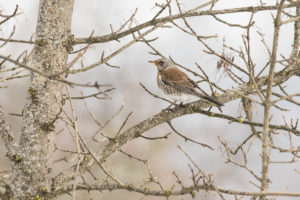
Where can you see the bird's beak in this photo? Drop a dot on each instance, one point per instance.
(153, 62)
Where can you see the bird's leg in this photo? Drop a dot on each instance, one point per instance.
(210, 107)
(181, 105)
(171, 104)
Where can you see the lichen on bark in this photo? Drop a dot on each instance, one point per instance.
(42, 103)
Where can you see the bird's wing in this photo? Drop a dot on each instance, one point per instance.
(176, 76)
(179, 80)
(196, 86)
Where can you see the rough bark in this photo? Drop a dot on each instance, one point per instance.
(31, 175)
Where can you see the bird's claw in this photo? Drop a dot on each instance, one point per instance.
(181, 105)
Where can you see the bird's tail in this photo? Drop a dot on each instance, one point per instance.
(213, 100)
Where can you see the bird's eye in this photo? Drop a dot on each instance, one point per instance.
(160, 62)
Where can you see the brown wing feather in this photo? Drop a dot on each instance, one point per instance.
(176, 76)
(178, 79)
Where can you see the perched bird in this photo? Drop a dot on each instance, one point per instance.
(176, 85)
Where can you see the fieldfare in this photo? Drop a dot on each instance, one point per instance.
(176, 85)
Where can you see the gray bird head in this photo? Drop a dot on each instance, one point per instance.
(163, 64)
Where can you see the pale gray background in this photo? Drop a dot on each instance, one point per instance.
(163, 155)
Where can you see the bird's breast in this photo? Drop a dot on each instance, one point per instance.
(166, 88)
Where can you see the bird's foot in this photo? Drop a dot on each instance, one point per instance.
(181, 105)
(171, 104)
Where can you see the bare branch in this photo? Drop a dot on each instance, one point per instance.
(267, 104)
(111, 37)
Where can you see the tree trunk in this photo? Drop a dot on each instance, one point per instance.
(31, 174)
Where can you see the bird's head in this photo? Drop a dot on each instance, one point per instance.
(163, 64)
